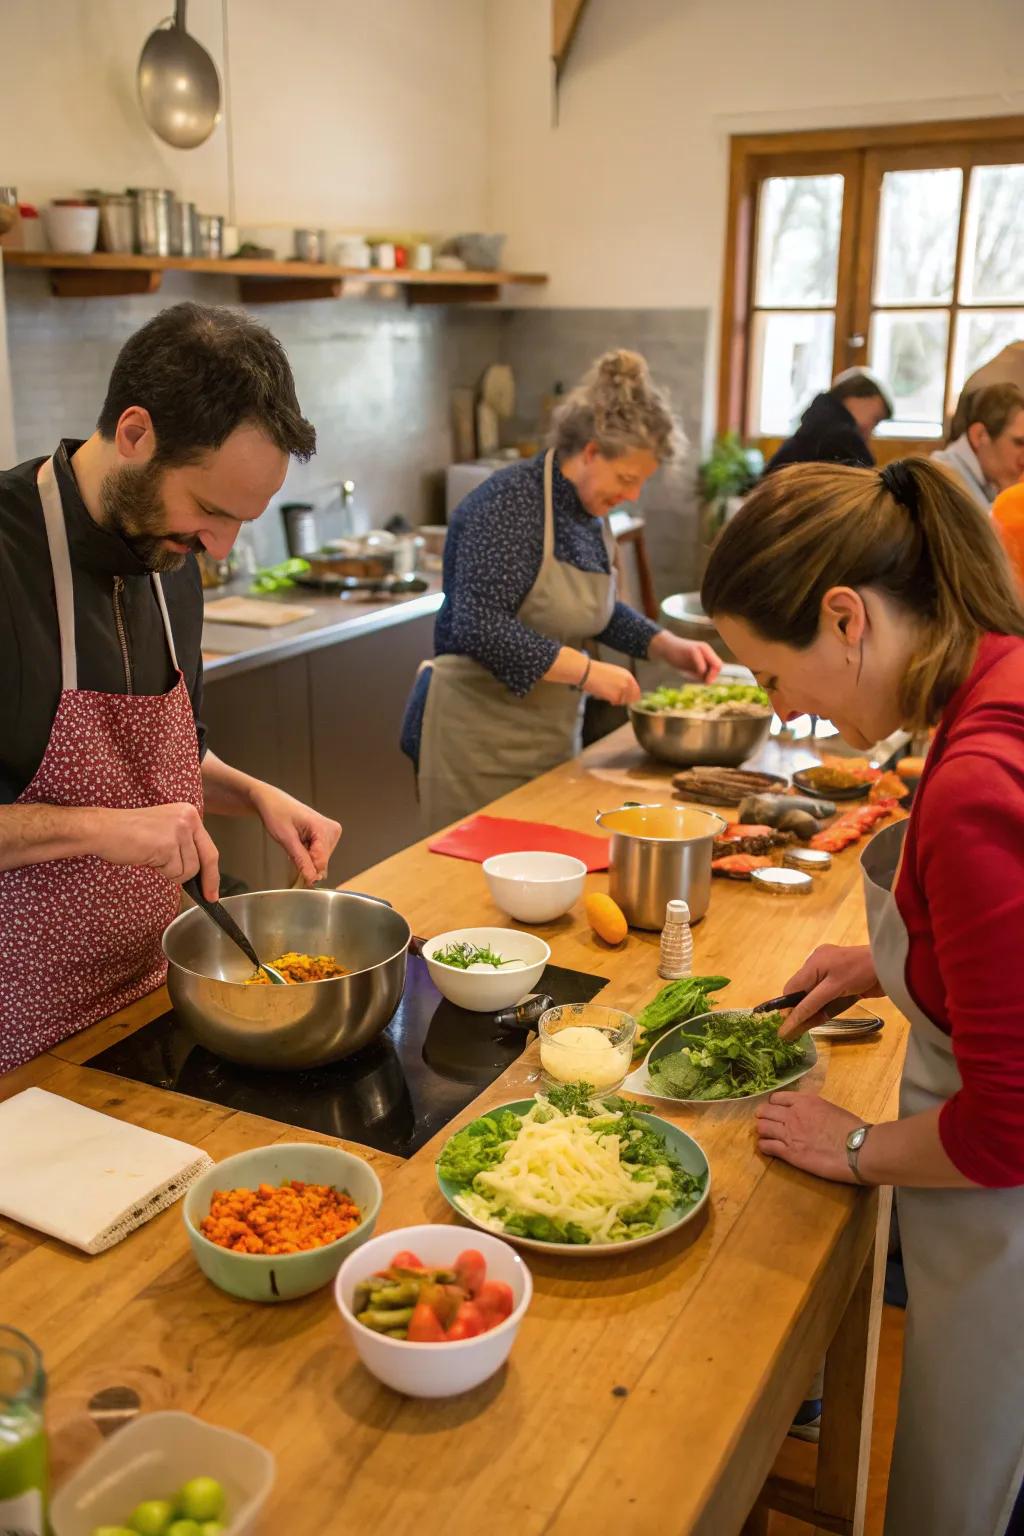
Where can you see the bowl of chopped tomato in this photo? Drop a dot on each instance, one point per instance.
(278, 1222)
(429, 1313)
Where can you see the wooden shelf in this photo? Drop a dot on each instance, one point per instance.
(107, 275)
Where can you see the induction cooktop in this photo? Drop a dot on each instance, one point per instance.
(428, 1064)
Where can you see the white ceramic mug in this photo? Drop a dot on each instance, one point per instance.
(72, 230)
(352, 252)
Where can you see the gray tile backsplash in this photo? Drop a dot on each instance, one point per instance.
(549, 346)
(375, 377)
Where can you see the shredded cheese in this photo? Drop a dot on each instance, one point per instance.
(564, 1170)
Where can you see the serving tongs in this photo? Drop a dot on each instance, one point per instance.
(220, 915)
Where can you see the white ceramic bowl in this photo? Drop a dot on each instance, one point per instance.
(535, 887)
(72, 230)
(434, 1370)
(154, 1454)
(486, 992)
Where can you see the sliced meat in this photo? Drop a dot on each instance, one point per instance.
(738, 866)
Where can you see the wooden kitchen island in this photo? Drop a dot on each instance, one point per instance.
(647, 1394)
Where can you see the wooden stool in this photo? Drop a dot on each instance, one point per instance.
(630, 530)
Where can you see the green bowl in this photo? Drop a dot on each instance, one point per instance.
(639, 1080)
(281, 1277)
(690, 1155)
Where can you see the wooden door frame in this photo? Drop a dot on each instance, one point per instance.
(749, 154)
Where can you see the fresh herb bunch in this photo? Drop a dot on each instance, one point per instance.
(685, 999)
(739, 1054)
(463, 954)
(704, 696)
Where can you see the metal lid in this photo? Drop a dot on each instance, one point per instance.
(813, 860)
(783, 882)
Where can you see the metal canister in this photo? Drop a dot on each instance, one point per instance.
(152, 220)
(311, 244)
(300, 530)
(658, 854)
(117, 222)
(211, 234)
(8, 208)
(183, 228)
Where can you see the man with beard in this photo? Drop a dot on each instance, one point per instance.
(104, 773)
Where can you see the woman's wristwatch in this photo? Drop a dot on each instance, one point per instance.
(579, 687)
(854, 1142)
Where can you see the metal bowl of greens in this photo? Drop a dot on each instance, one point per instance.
(721, 1057)
(722, 724)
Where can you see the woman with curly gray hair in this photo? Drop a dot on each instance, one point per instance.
(529, 580)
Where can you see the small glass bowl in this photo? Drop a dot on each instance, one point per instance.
(604, 1068)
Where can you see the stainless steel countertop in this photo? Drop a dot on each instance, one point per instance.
(229, 649)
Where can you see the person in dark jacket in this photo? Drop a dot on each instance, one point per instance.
(836, 427)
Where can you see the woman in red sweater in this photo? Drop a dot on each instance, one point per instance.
(879, 600)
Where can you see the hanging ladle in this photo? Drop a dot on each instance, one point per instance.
(220, 915)
(179, 88)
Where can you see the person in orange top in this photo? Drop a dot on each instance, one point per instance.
(1008, 516)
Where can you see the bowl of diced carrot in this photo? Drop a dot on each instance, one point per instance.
(277, 1222)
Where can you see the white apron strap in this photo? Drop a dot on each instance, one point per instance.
(549, 507)
(60, 562)
(63, 586)
(162, 605)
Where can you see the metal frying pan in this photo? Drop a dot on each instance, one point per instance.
(179, 87)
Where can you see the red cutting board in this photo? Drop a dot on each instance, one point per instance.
(481, 836)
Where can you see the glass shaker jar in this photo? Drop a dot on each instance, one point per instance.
(23, 1446)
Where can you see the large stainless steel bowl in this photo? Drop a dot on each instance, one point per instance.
(687, 740)
(296, 1026)
(683, 615)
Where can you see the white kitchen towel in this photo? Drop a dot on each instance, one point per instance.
(85, 1177)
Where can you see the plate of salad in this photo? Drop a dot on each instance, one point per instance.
(573, 1172)
(721, 1057)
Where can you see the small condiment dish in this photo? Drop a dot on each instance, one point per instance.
(567, 1056)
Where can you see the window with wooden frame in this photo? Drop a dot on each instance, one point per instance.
(897, 248)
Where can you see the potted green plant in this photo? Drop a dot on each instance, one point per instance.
(729, 471)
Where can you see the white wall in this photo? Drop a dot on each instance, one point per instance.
(623, 202)
(359, 114)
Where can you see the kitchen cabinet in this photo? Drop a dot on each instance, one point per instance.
(323, 725)
(358, 692)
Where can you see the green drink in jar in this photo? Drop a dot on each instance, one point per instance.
(23, 1447)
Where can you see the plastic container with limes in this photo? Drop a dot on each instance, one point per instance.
(150, 1458)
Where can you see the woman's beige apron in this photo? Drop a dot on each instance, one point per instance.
(959, 1455)
(478, 740)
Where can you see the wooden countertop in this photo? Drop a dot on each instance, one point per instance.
(646, 1393)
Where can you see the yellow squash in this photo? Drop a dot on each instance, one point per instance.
(606, 918)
